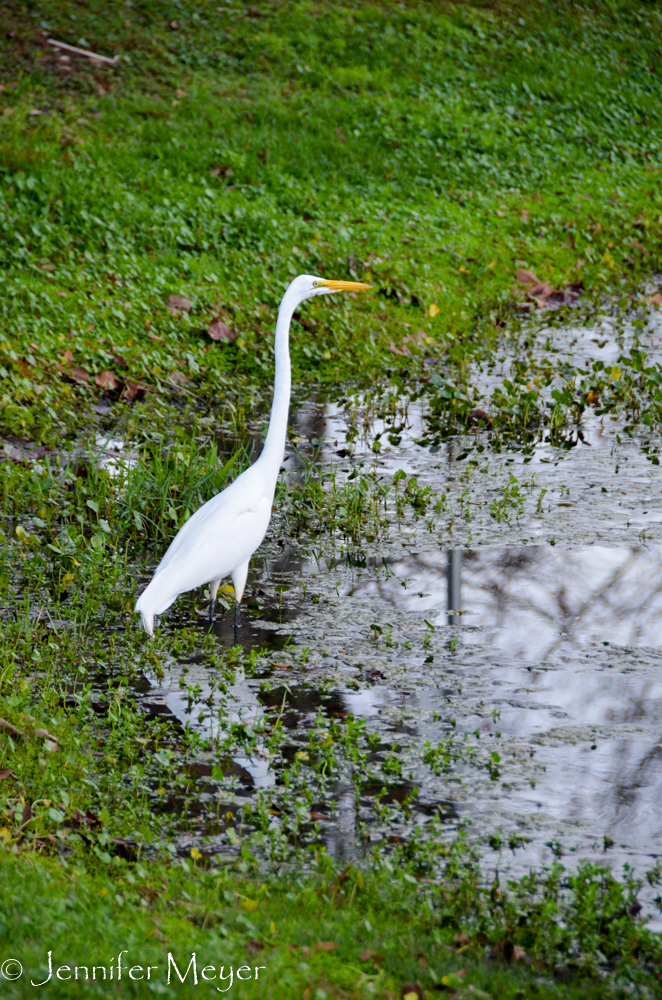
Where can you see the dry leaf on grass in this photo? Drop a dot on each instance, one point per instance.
(79, 375)
(79, 820)
(654, 300)
(542, 292)
(511, 952)
(6, 772)
(325, 946)
(218, 330)
(178, 304)
(255, 945)
(178, 378)
(8, 728)
(371, 956)
(134, 390)
(403, 351)
(108, 380)
(44, 734)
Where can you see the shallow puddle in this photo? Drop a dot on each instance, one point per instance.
(547, 657)
(503, 662)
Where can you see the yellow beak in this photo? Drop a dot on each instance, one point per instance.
(344, 286)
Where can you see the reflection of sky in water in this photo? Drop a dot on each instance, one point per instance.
(532, 647)
(535, 601)
(563, 644)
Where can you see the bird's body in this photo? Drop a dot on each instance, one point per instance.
(220, 538)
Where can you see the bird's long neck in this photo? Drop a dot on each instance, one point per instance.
(274, 446)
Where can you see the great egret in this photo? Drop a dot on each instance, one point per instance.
(220, 538)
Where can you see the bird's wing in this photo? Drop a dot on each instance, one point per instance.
(225, 516)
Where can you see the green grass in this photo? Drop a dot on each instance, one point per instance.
(427, 147)
(433, 149)
(341, 934)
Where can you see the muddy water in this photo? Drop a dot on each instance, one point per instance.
(535, 637)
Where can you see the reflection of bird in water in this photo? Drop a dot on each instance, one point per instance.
(221, 537)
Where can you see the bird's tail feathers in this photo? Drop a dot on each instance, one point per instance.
(148, 624)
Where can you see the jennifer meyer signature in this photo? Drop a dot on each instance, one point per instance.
(11, 968)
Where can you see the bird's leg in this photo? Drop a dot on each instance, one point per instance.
(213, 591)
(239, 581)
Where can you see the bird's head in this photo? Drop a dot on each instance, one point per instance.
(307, 285)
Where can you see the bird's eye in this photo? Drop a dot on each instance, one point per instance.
(315, 284)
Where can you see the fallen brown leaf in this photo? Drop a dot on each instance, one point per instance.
(218, 330)
(8, 728)
(542, 292)
(511, 952)
(44, 734)
(178, 378)
(79, 375)
(67, 358)
(79, 819)
(27, 814)
(108, 380)
(133, 390)
(526, 278)
(325, 946)
(654, 300)
(479, 417)
(404, 351)
(255, 945)
(152, 336)
(371, 956)
(6, 772)
(178, 304)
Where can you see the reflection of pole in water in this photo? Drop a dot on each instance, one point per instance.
(454, 585)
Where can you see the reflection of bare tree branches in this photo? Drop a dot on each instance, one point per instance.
(536, 604)
(568, 593)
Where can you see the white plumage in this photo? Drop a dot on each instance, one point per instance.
(220, 538)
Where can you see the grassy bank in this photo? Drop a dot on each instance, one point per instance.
(339, 934)
(437, 150)
(434, 149)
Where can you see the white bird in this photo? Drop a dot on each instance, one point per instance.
(220, 538)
